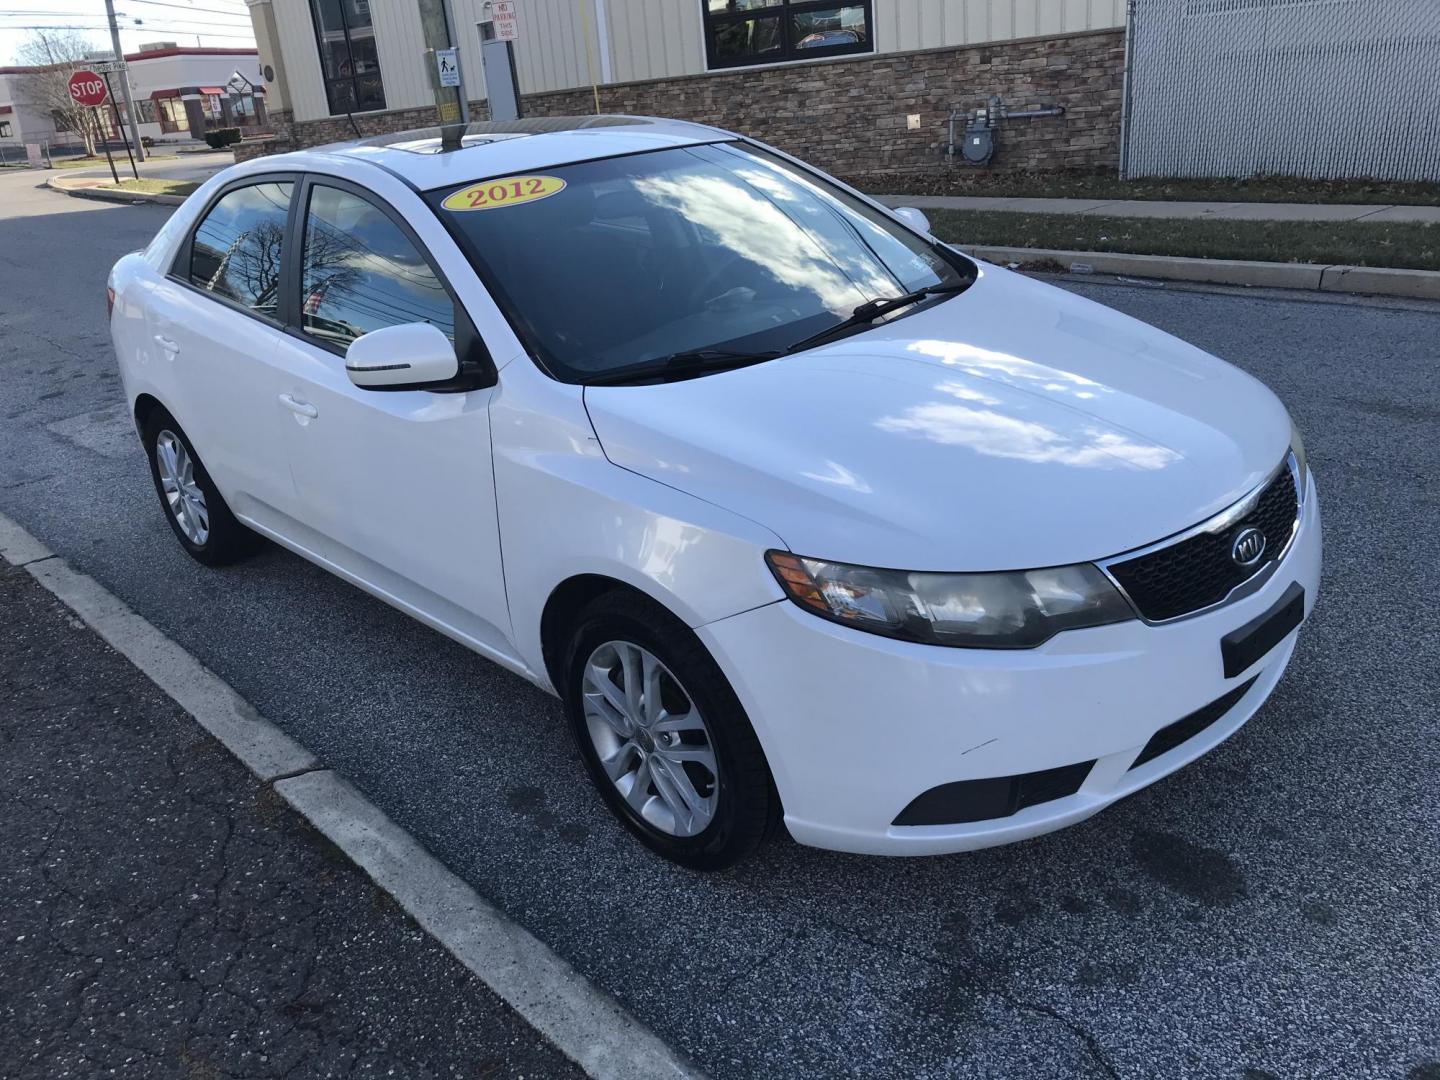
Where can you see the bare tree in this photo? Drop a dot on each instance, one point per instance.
(55, 56)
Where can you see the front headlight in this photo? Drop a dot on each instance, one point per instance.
(1302, 470)
(1014, 610)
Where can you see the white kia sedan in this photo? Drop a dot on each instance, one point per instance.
(804, 515)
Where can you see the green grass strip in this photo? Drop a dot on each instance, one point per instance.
(1404, 245)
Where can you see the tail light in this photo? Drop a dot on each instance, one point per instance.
(109, 301)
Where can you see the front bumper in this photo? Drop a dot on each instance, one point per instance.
(856, 726)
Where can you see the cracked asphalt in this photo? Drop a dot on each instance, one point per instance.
(163, 914)
(1271, 911)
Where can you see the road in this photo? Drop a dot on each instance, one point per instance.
(1272, 910)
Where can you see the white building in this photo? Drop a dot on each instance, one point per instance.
(179, 93)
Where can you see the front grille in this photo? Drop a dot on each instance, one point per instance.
(1187, 727)
(1198, 571)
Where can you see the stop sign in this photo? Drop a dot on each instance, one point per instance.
(87, 88)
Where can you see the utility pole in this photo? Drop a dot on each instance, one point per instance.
(124, 81)
(453, 33)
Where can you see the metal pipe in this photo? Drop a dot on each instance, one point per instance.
(1125, 90)
(1051, 110)
(950, 133)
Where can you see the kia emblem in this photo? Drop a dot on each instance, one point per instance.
(1249, 545)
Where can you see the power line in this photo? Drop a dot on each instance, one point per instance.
(232, 14)
(32, 13)
(189, 31)
(144, 26)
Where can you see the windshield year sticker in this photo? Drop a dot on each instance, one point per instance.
(508, 191)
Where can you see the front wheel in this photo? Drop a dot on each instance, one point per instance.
(664, 737)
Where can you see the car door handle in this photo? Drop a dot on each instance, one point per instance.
(298, 407)
(168, 344)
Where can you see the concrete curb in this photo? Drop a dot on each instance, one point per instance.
(263, 749)
(590, 1027)
(584, 1022)
(1363, 280)
(1172, 208)
(106, 194)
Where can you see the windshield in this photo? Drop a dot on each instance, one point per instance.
(614, 263)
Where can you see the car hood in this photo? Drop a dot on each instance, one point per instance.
(1013, 426)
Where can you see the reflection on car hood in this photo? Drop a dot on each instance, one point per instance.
(1013, 426)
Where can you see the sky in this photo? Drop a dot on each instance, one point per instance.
(218, 23)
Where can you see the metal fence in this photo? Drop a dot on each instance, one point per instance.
(14, 153)
(1315, 88)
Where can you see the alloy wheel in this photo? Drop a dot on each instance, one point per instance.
(650, 739)
(182, 494)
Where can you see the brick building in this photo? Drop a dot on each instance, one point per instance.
(856, 86)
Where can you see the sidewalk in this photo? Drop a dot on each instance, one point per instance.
(163, 914)
(1155, 208)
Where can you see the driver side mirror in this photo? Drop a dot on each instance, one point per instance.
(914, 218)
(406, 357)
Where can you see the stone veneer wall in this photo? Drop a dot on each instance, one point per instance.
(849, 116)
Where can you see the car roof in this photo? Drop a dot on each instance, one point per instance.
(502, 148)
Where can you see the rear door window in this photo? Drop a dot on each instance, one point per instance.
(236, 252)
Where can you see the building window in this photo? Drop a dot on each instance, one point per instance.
(740, 32)
(145, 107)
(172, 116)
(242, 109)
(4, 129)
(349, 60)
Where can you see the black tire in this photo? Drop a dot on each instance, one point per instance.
(747, 810)
(227, 540)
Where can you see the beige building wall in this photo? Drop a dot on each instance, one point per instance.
(267, 42)
(903, 25)
(404, 64)
(655, 39)
(302, 59)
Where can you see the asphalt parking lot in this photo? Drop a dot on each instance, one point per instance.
(164, 914)
(1273, 910)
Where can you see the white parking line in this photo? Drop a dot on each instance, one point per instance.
(583, 1021)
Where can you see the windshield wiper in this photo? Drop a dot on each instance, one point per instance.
(703, 361)
(683, 364)
(871, 310)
